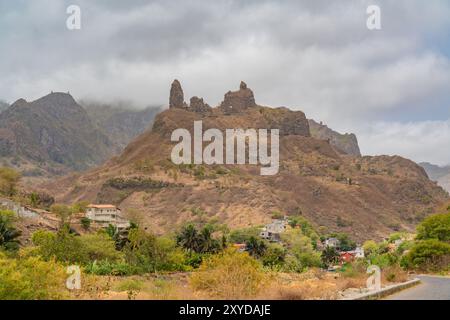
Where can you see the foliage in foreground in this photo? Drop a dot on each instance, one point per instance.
(31, 278)
(229, 274)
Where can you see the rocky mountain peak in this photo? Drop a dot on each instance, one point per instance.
(237, 101)
(198, 105)
(19, 102)
(176, 99)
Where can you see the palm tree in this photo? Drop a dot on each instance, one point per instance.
(8, 234)
(188, 238)
(207, 243)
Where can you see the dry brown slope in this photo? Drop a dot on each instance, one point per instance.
(383, 194)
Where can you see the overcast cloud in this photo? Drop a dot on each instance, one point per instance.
(391, 87)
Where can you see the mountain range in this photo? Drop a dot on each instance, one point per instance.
(439, 174)
(322, 177)
(55, 135)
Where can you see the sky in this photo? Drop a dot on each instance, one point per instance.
(391, 87)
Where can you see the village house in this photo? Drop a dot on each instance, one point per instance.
(273, 230)
(106, 214)
(359, 252)
(346, 257)
(332, 243)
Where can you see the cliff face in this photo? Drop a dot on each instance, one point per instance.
(367, 197)
(346, 143)
(120, 123)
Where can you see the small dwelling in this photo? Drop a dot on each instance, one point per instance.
(106, 214)
(332, 242)
(273, 230)
(346, 257)
(359, 252)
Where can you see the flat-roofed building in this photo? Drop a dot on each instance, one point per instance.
(106, 214)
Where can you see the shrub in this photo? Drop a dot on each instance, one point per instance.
(150, 254)
(68, 248)
(435, 227)
(384, 260)
(85, 223)
(8, 181)
(256, 247)
(329, 256)
(98, 247)
(8, 234)
(31, 279)
(62, 246)
(277, 215)
(243, 235)
(428, 255)
(274, 256)
(370, 247)
(229, 275)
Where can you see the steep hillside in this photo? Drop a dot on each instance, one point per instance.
(3, 105)
(367, 197)
(439, 174)
(119, 122)
(51, 135)
(347, 143)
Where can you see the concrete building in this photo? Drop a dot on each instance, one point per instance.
(273, 230)
(106, 214)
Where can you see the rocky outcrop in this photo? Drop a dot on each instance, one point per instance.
(238, 101)
(176, 99)
(287, 121)
(346, 143)
(198, 105)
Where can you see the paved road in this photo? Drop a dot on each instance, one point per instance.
(431, 288)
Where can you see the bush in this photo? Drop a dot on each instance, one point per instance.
(384, 260)
(68, 248)
(99, 247)
(435, 227)
(31, 279)
(107, 268)
(149, 253)
(229, 275)
(8, 181)
(370, 247)
(243, 235)
(428, 255)
(274, 256)
(330, 256)
(62, 246)
(8, 234)
(85, 223)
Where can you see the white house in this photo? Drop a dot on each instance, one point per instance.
(359, 252)
(332, 242)
(106, 214)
